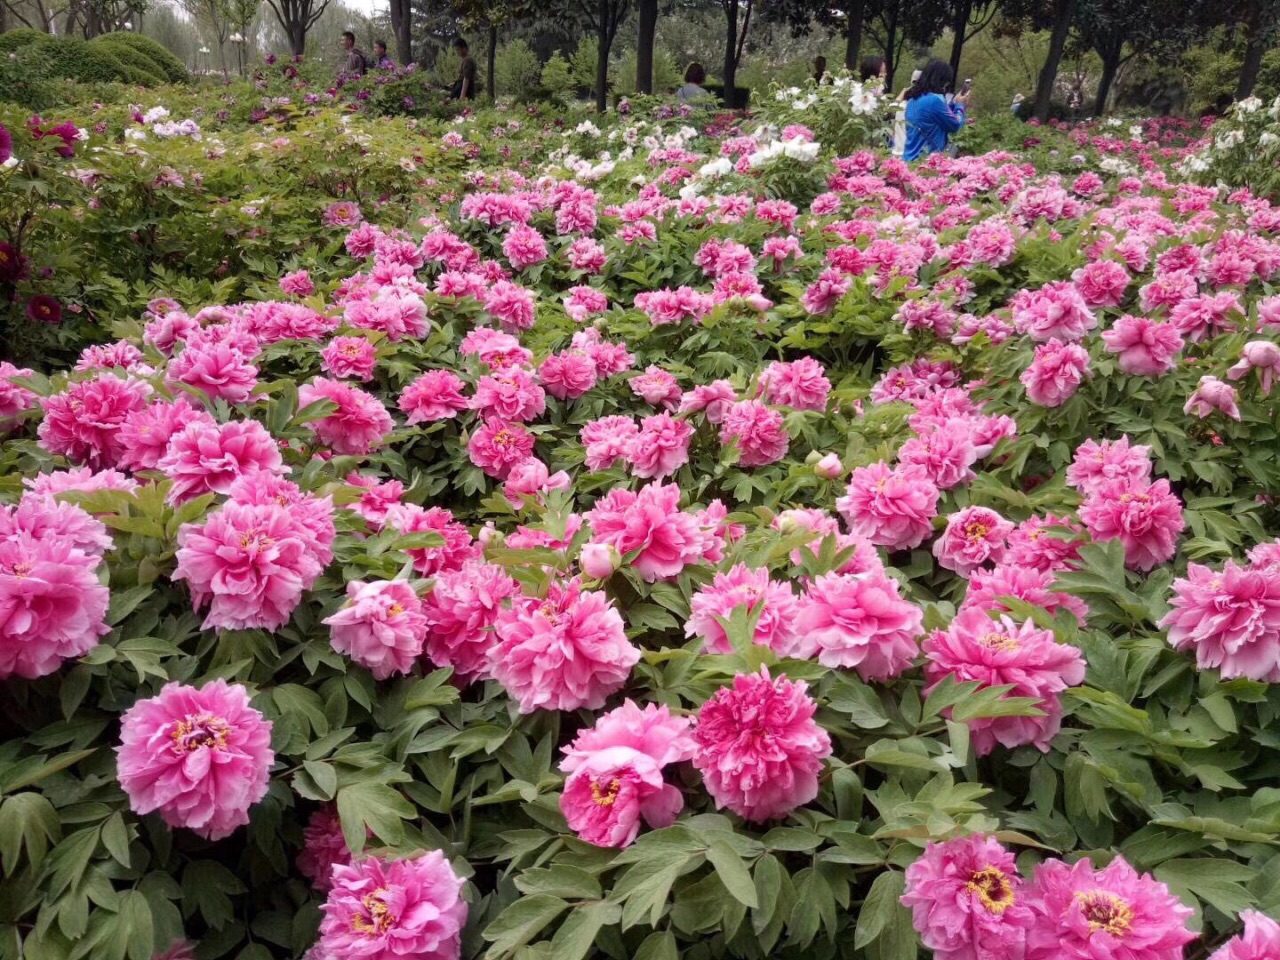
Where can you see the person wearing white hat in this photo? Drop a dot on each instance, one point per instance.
(1017, 104)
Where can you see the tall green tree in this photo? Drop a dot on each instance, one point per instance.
(296, 17)
(1058, 17)
(1119, 30)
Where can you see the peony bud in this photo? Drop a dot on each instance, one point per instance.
(829, 467)
(599, 560)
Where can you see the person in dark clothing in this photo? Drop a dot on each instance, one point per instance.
(872, 69)
(819, 69)
(356, 62)
(464, 88)
(380, 58)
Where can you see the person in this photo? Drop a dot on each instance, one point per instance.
(819, 69)
(900, 118)
(930, 118)
(1017, 104)
(464, 88)
(872, 69)
(694, 78)
(356, 62)
(380, 58)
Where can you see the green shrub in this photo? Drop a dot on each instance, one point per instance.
(163, 63)
(21, 37)
(584, 62)
(518, 72)
(74, 59)
(557, 79)
(24, 79)
(667, 75)
(138, 67)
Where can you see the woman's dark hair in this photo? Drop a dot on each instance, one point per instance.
(459, 43)
(695, 74)
(936, 77)
(870, 68)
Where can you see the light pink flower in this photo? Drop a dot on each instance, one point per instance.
(1260, 355)
(511, 305)
(358, 426)
(656, 387)
(946, 453)
(582, 302)
(650, 524)
(1231, 619)
(1033, 543)
(652, 731)
(892, 508)
(759, 749)
(997, 652)
(568, 375)
(607, 440)
(146, 432)
(251, 564)
(208, 459)
(436, 395)
(1259, 941)
(531, 478)
(801, 384)
(524, 247)
(1102, 283)
(52, 607)
(83, 422)
(759, 433)
(828, 467)
(1146, 347)
(349, 357)
(859, 621)
(565, 651)
(599, 561)
(381, 627)
(1097, 463)
(771, 603)
(168, 330)
(1085, 914)
(458, 546)
(988, 587)
(42, 517)
(714, 398)
(460, 612)
(497, 446)
(323, 846)
(218, 370)
(1211, 395)
(1055, 311)
(1056, 372)
(511, 394)
(973, 538)
(79, 479)
(661, 447)
(1146, 518)
(313, 515)
(298, 284)
(393, 910)
(201, 758)
(967, 901)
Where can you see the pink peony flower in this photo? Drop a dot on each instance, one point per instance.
(1146, 347)
(313, 515)
(568, 375)
(1260, 355)
(394, 910)
(460, 612)
(208, 459)
(79, 480)
(582, 302)
(1231, 619)
(661, 447)
(1056, 372)
(946, 453)
(298, 284)
(824, 293)
(52, 607)
(524, 247)
(1147, 519)
(801, 385)
(607, 440)
(771, 603)
(381, 627)
(1102, 283)
(358, 426)
(531, 478)
(323, 847)
(250, 563)
(758, 748)
(83, 422)
(343, 213)
(349, 357)
(201, 758)
(1096, 464)
(218, 370)
(999, 652)
(987, 588)
(168, 330)
(1055, 311)
(967, 901)
(1211, 395)
(828, 467)
(859, 621)
(1260, 940)
(1035, 544)
(498, 446)
(510, 394)
(1085, 914)
(759, 433)
(714, 398)
(146, 432)
(457, 549)
(973, 537)
(511, 305)
(562, 652)
(656, 387)
(42, 517)
(650, 525)
(436, 395)
(599, 561)
(892, 508)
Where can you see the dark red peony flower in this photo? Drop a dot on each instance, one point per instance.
(13, 265)
(6, 144)
(44, 308)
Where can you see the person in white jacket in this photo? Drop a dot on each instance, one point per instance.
(900, 119)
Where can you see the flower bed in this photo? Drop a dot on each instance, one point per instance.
(665, 540)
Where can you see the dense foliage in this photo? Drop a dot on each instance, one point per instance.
(701, 541)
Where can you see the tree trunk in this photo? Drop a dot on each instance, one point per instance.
(891, 43)
(401, 26)
(855, 14)
(730, 53)
(959, 27)
(1255, 47)
(1064, 12)
(648, 10)
(1110, 66)
(298, 38)
(602, 56)
(491, 65)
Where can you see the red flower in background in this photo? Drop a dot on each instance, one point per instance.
(66, 131)
(13, 265)
(44, 308)
(6, 144)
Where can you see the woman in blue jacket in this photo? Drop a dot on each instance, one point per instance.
(930, 118)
